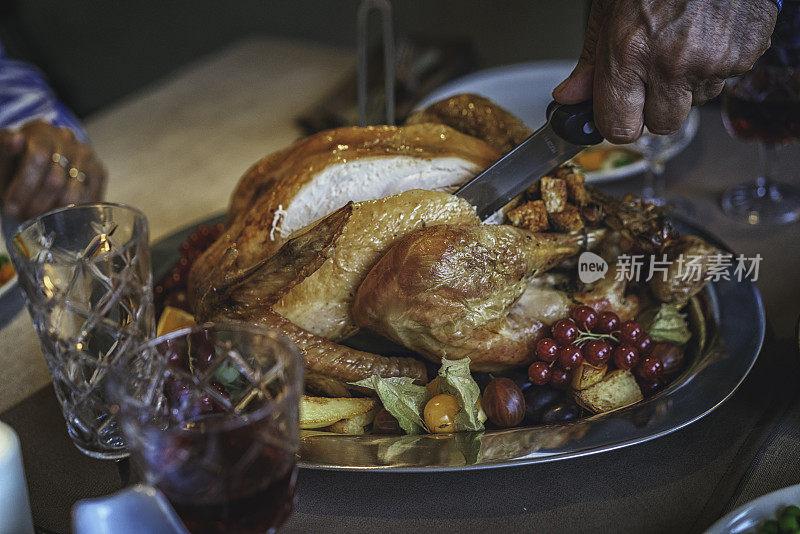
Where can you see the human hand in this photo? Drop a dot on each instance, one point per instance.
(646, 62)
(44, 166)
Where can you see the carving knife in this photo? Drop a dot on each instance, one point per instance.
(568, 130)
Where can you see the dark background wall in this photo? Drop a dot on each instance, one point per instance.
(98, 51)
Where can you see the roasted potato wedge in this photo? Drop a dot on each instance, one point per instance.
(354, 425)
(319, 412)
(587, 375)
(617, 390)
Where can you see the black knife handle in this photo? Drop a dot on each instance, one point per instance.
(574, 123)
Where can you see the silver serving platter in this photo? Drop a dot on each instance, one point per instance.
(734, 315)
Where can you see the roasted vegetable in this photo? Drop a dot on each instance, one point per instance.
(319, 412)
(617, 390)
(587, 375)
(354, 425)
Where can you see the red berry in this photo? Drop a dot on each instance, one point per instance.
(585, 317)
(570, 357)
(547, 349)
(597, 352)
(539, 373)
(607, 322)
(625, 357)
(559, 378)
(564, 331)
(644, 345)
(649, 369)
(630, 332)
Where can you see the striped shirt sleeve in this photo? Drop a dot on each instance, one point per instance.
(26, 96)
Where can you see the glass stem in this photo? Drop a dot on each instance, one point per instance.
(767, 153)
(659, 184)
(653, 186)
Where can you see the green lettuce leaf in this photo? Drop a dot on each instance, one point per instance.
(402, 398)
(456, 380)
(666, 324)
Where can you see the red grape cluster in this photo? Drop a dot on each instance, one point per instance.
(192, 357)
(171, 290)
(597, 339)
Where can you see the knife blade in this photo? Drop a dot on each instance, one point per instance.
(568, 130)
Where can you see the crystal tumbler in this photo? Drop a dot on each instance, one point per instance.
(85, 271)
(210, 415)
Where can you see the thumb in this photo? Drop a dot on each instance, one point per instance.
(578, 86)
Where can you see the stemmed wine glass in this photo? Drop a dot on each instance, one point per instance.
(656, 150)
(763, 105)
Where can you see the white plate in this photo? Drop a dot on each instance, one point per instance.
(525, 90)
(748, 517)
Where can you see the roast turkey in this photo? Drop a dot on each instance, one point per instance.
(306, 288)
(292, 188)
(465, 291)
(355, 228)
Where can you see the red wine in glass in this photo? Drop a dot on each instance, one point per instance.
(249, 489)
(210, 416)
(262, 511)
(763, 106)
(758, 108)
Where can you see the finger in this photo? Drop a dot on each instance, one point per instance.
(578, 86)
(56, 178)
(11, 145)
(707, 91)
(666, 107)
(50, 192)
(97, 178)
(94, 171)
(29, 174)
(619, 94)
(78, 186)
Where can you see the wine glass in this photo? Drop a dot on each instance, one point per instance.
(656, 150)
(763, 105)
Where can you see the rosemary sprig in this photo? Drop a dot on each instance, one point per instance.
(584, 336)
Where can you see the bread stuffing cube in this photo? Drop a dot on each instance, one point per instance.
(567, 220)
(531, 216)
(576, 192)
(564, 170)
(554, 194)
(533, 191)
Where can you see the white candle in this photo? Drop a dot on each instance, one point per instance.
(15, 511)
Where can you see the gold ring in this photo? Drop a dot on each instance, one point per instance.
(77, 175)
(60, 160)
